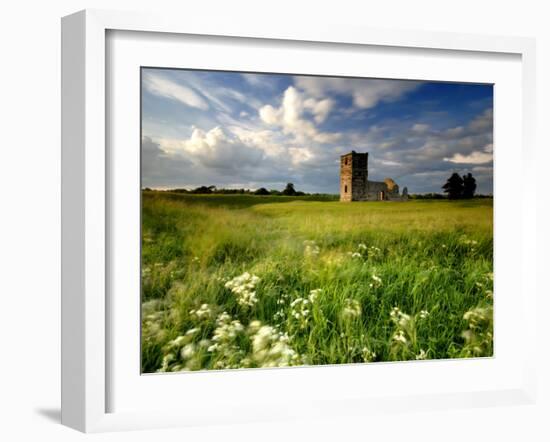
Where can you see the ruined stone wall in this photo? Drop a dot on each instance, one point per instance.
(374, 190)
(345, 177)
(359, 176)
(393, 188)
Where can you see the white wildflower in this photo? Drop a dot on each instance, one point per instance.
(225, 345)
(368, 355)
(243, 287)
(421, 355)
(376, 281)
(352, 308)
(398, 317)
(399, 337)
(188, 351)
(374, 252)
(314, 294)
(423, 314)
(479, 334)
(177, 342)
(203, 312)
(311, 248)
(270, 348)
(478, 316)
(166, 360)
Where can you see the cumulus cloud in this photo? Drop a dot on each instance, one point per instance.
(217, 149)
(290, 116)
(482, 122)
(366, 93)
(475, 157)
(319, 108)
(159, 168)
(161, 86)
(420, 128)
(300, 155)
(472, 158)
(258, 138)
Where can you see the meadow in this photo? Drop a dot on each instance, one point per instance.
(244, 281)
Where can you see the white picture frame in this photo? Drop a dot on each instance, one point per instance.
(86, 206)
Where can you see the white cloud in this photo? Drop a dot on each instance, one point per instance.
(483, 122)
(258, 80)
(270, 115)
(290, 116)
(214, 148)
(472, 158)
(300, 155)
(163, 87)
(261, 139)
(455, 131)
(420, 128)
(366, 93)
(320, 109)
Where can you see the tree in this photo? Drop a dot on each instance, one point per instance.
(454, 187)
(203, 189)
(261, 191)
(469, 186)
(289, 190)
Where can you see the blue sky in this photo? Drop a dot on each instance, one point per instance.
(232, 129)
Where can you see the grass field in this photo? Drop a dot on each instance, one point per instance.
(235, 281)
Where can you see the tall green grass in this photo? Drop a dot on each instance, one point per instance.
(390, 281)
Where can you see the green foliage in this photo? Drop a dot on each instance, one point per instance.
(454, 187)
(231, 281)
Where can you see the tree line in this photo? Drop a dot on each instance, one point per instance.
(289, 190)
(456, 187)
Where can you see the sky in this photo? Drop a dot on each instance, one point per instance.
(244, 130)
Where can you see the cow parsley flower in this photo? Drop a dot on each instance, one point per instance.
(300, 309)
(352, 308)
(376, 281)
(399, 337)
(368, 354)
(203, 312)
(243, 287)
(314, 294)
(422, 355)
(311, 248)
(270, 348)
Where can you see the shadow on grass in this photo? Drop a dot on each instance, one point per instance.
(237, 201)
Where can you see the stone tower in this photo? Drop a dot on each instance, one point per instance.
(354, 176)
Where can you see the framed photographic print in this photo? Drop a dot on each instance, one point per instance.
(252, 255)
(251, 214)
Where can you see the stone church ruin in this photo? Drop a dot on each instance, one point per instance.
(355, 186)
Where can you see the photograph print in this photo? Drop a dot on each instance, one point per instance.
(300, 220)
